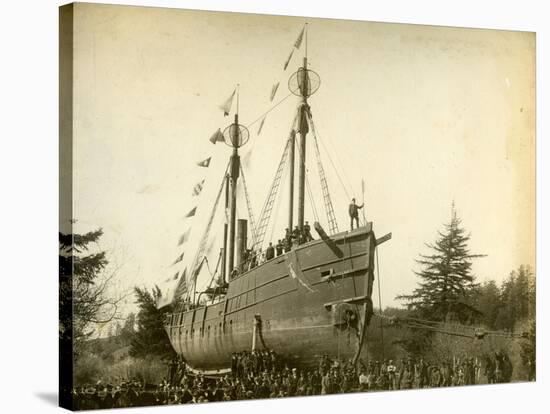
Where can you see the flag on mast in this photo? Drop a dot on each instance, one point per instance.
(288, 59)
(226, 106)
(179, 259)
(217, 137)
(274, 91)
(191, 213)
(183, 238)
(261, 126)
(298, 42)
(198, 188)
(204, 163)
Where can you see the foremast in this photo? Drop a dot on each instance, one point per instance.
(235, 135)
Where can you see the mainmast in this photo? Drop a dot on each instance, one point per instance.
(303, 83)
(304, 128)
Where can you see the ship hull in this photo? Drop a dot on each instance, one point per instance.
(303, 304)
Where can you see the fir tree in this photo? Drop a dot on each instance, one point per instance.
(150, 338)
(83, 299)
(446, 279)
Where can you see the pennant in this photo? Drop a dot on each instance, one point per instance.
(298, 42)
(288, 59)
(179, 259)
(205, 163)
(182, 285)
(183, 238)
(217, 137)
(198, 268)
(198, 188)
(226, 106)
(191, 213)
(261, 126)
(274, 91)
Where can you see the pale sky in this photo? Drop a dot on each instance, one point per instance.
(426, 115)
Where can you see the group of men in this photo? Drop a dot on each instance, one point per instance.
(252, 258)
(292, 238)
(266, 374)
(410, 373)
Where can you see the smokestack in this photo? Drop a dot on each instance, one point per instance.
(242, 229)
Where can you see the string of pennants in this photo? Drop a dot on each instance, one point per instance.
(184, 238)
(275, 87)
(216, 137)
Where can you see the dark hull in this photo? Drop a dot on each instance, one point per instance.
(310, 301)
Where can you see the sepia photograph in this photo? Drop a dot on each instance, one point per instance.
(258, 206)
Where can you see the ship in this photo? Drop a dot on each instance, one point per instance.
(312, 299)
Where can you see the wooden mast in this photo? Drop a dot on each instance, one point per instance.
(234, 176)
(292, 139)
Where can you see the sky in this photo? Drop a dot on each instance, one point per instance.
(424, 115)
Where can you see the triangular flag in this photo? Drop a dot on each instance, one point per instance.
(204, 163)
(217, 137)
(182, 285)
(298, 42)
(198, 188)
(288, 59)
(183, 238)
(261, 126)
(274, 91)
(226, 106)
(179, 259)
(191, 213)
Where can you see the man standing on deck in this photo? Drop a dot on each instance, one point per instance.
(270, 252)
(354, 212)
(279, 248)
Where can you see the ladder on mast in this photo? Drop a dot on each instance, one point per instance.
(331, 218)
(270, 201)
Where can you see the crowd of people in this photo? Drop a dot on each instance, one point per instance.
(266, 374)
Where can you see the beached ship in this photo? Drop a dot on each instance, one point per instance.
(312, 299)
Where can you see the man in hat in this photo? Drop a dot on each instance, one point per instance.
(279, 247)
(270, 252)
(307, 232)
(354, 212)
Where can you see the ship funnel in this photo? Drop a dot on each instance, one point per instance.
(242, 229)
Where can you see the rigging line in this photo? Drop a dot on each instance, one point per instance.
(379, 299)
(249, 207)
(269, 110)
(330, 158)
(204, 239)
(278, 202)
(308, 187)
(329, 209)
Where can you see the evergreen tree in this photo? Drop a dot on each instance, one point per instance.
(446, 280)
(83, 299)
(150, 338)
